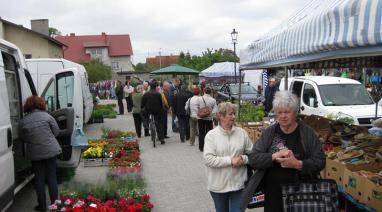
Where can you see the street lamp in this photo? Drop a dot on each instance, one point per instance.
(234, 41)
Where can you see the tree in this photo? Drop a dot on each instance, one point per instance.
(53, 32)
(143, 67)
(208, 58)
(97, 71)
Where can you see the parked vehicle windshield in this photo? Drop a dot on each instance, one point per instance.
(245, 89)
(344, 94)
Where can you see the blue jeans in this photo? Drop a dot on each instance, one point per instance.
(227, 202)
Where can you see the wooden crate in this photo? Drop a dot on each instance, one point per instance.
(93, 162)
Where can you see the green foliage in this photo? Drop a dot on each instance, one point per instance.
(208, 58)
(105, 111)
(250, 112)
(54, 32)
(143, 67)
(111, 189)
(339, 118)
(97, 71)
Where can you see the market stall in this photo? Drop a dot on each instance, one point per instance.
(330, 34)
(220, 72)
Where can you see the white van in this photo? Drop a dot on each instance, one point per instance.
(16, 85)
(324, 95)
(42, 70)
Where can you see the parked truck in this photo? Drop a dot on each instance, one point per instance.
(335, 96)
(16, 84)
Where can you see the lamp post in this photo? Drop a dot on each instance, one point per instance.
(234, 41)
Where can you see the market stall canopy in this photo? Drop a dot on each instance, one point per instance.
(322, 30)
(175, 69)
(224, 69)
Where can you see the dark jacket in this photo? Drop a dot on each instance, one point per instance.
(269, 95)
(260, 158)
(39, 131)
(151, 102)
(119, 92)
(180, 100)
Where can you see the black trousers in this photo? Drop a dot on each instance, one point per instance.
(164, 121)
(45, 170)
(158, 126)
(204, 126)
(120, 106)
(184, 127)
(129, 103)
(138, 123)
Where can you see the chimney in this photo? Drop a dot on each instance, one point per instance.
(40, 26)
(104, 37)
(72, 34)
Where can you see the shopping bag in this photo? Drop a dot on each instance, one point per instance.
(79, 138)
(315, 195)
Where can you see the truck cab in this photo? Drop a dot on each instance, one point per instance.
(342, 97)
(16, 85)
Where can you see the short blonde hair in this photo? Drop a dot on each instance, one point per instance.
(224, 107)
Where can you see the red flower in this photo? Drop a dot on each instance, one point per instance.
(139, 206)
(150, 205)
(146, 197)
(112, 210)
(142, 201)
(64, 198)
(130, 201)
(78, 210)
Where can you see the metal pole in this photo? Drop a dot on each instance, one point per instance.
(286, 78)
(234, 61)
(238, 113)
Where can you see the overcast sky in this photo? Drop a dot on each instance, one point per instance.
(167, 25)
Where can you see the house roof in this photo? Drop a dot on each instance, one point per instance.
(118, 45)
(32, 31)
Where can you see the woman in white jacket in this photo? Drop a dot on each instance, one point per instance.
(225, 156)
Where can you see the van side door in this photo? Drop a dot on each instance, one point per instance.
(61, 98)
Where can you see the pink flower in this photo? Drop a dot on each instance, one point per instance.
(63, 209)
(57, 202)
(53, 207)
(68, 202)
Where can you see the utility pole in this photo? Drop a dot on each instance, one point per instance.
(160, 59)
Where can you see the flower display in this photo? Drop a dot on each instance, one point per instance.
(93, 152)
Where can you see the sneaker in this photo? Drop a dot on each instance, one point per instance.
(162, 142)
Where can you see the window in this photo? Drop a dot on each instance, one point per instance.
(115, 65)
(13, 86)
(65, 91)
(309, 95)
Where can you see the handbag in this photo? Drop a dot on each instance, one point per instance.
(79, 138)
(314, 195)
(204, 111)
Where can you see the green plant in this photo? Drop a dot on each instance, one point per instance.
(250, 112)
(97, 114)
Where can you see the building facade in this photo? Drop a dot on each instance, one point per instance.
(162, 61)
(112, 50)
(32, 42)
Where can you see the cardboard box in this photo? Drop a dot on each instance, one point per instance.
(374, 196)
(335, 170)
(362, 188)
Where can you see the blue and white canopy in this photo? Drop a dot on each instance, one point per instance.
(224, 69)
(322, 30)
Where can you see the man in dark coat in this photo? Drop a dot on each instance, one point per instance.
(152, 105)
(270, 91)
(179, 104)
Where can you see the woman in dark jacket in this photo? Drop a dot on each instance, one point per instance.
(286, 152)
(39, 131)
(119, 94)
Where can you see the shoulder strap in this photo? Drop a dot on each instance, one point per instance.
(204, 102)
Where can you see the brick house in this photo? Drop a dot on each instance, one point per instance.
(112, 50)
(162, 61)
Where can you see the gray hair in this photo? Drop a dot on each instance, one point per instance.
(224, 107)
(165, 83)
(139, 88)
(285, 99)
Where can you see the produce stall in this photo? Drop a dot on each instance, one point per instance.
(322, 36)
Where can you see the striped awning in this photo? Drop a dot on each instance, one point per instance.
(322, 30)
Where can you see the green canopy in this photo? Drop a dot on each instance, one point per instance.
(175, 69)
